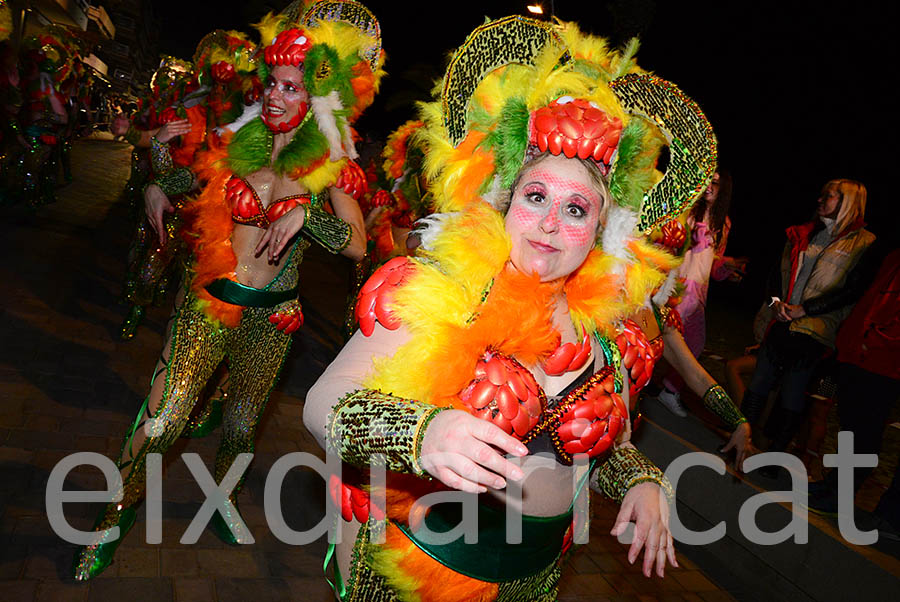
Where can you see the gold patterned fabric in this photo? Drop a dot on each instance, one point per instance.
(717, 401)
(255, 351)
(328, 230)
(160, 157)
(176, 181)
(514, 39)
(625, 468)
(693, 146)
(368, 423)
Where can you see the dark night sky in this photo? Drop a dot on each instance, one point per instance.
(798, 92)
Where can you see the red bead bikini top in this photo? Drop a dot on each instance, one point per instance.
(247, 208)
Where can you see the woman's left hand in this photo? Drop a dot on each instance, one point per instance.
(740, 443)
(280, 232)
(646, 506)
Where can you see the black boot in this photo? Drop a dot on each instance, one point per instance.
(752, 406)
(783, 428)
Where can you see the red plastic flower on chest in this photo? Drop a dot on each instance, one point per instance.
(591, 417)
(568, 357)
(505, 393)
(638, 355)
(240, 197)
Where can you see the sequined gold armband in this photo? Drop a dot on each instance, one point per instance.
(368, 423)
(160, 157)
(132, 136)
(328, 230)
(717, 401)
(625, 468)
(176, 181)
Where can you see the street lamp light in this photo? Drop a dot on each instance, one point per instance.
(536, 9)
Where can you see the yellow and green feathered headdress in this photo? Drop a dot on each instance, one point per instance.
(518, 85)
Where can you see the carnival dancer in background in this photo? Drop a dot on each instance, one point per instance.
(163, 119)
(396, 198)
(260, 206)
(190, 102)
(11, 136)
(708, 224)
(48, 64)
(400, 195)
(498, 337)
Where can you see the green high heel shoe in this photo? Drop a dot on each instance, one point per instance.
(219, 525)
(92, 560)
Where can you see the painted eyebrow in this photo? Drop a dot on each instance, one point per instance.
(546, 177)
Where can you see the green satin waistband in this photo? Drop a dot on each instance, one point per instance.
(491, 558)
(236, 293)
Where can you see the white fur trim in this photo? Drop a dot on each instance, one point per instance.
(620, 225)
(349, 146)
(495, 195)
(429, 228)
(667, 288)
(323, 108)
(250, 113)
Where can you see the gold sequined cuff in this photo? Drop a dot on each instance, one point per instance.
(328, 230)
(132, 136)
(369, 423)
(717, 401)
(160, 157)
(625, 468)
(176, 181)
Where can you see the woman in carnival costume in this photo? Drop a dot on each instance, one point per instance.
(396, 198)
(165, 133)
(657, 331)
(49, 63)
(263, 186)
(709, 225)
(499, 334)
(203, 100)
(401, 197)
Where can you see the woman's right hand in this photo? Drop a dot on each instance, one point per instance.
(461, 451)
(173, 129)
(155, 204)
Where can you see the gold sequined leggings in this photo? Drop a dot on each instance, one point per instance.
(255, 352)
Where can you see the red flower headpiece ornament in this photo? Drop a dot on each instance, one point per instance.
(288, 48)
(576, 127)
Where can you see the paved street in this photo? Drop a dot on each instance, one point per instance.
(68, 383)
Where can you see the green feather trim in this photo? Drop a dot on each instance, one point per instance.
(632, 174)
(512, 140)
(324, 71)
(249, 149)
(263, 72)
(306, 147)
